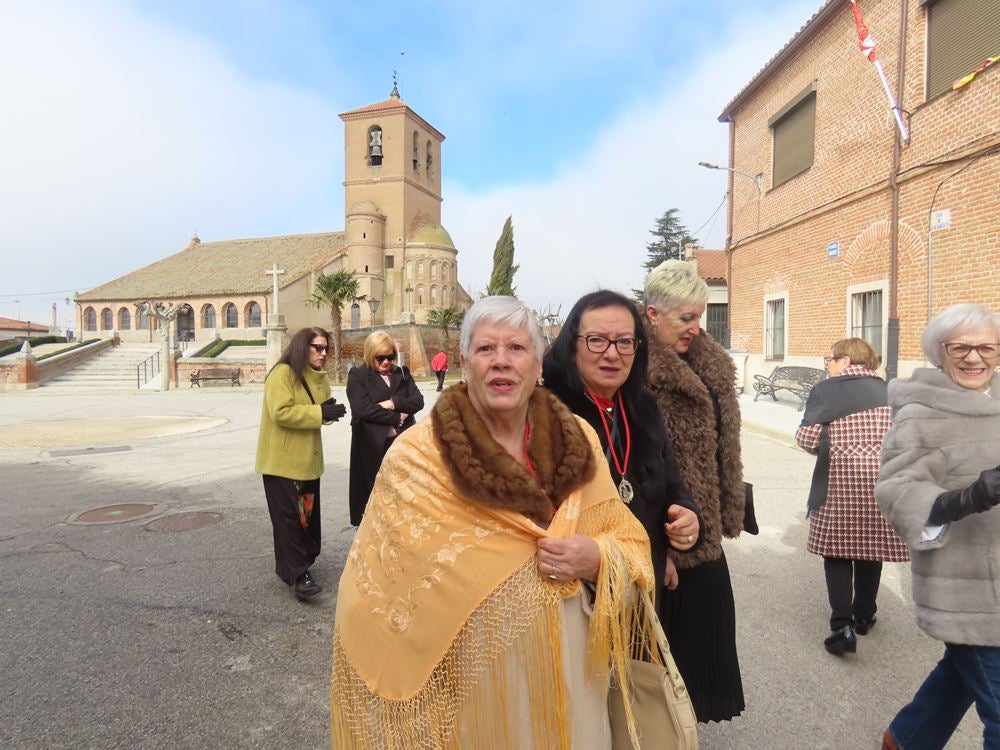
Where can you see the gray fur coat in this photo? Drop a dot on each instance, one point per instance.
(943, 436)
(707, 447)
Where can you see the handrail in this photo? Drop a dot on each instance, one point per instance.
(150, 367)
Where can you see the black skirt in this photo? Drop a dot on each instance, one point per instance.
(699, 619)
(297, 537)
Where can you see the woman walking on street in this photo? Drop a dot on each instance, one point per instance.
(297, 403)
(845, 420)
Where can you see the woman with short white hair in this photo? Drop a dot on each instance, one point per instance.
(939, 486)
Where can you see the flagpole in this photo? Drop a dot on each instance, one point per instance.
(892, 101)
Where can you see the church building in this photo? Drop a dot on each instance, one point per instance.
(393, 241)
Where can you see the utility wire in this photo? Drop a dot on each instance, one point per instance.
(716, 211)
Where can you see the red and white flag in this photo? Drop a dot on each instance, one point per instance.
(866, 42)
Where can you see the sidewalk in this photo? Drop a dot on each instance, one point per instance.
(774, 419)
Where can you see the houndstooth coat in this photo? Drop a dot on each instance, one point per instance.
(849, 524)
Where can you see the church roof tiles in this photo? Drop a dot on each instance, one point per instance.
(205, 269)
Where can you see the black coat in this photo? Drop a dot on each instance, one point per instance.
(652, 468)
(370, 425)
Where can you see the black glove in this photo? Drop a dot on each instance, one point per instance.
(332, 411)
(954, 505)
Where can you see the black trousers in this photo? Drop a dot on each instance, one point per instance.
(295, 548)
(440, 374)
(852, 586)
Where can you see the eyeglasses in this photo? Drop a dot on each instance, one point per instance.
(828, 360)
(320, 348)
(961, 351)
(599, 344)
(385, 358)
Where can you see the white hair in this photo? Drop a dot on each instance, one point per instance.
(951, 322)
(506, 311)
(674, 283)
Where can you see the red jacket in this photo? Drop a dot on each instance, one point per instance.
(440, 362)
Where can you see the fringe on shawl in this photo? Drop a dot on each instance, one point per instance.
(525, 609)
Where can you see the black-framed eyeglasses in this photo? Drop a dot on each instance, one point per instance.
(380, 358)
(961, 351)
(320, 348)
(599, 344)
(828, 360)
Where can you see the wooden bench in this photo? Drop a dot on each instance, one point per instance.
(796, 380)
(232, 374)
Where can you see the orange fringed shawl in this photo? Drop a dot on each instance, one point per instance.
(441, 582)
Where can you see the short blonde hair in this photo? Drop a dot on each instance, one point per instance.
(378, 343)
(859, 350)
(674, 283)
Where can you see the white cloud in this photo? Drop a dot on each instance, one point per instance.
(588, 227)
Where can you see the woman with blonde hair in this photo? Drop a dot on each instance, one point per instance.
(692, 379)
(383, 399)
(845, 420)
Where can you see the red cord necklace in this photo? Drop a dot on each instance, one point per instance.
(624, 486)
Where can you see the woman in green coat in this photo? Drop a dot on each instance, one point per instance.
(297, 403)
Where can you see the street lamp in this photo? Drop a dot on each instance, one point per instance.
(373, 305)
(758, 179)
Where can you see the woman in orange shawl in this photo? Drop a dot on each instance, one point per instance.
(486, 598)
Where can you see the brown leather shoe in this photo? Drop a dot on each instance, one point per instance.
(888, 743)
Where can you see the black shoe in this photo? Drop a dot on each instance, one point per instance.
(861, 627)
(306, 586)
(842, 641)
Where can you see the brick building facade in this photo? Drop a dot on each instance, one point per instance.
(810, 244)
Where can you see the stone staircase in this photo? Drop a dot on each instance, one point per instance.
(113, 368)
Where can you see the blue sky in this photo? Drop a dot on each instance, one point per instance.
(136, 124)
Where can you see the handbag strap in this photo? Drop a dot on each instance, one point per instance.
(656, 630)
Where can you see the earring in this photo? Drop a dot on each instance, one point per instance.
(540, 382)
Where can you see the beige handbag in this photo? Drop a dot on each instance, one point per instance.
(664, 716)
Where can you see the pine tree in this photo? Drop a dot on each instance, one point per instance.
(671, 236)
(502, 278)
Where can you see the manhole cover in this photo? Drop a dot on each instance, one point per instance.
(184, 521)
(115, 513)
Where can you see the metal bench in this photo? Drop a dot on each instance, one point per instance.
(796, 380)
(232, 374)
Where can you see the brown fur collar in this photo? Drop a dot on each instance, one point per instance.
(708, 452)
(486, 473)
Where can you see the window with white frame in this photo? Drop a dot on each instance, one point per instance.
(775, 311)
(866, 314)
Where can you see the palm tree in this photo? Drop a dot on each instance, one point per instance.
(335, 289)
(445, 318)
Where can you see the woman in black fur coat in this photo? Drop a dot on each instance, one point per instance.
(597, 367)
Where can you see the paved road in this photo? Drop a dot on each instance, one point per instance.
(119, 636)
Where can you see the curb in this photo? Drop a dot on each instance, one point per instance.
(770, 432)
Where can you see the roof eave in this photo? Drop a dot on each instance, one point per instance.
(821, 16)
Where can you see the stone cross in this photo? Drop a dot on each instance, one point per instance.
(274, 273)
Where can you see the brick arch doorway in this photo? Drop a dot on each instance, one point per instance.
(185, 323)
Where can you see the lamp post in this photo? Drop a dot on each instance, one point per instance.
(758, 179)
(373, 305)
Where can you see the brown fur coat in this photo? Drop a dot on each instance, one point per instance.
(709, 456)
(484, 471)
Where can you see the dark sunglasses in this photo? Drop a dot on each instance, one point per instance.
(385, 358)
(320, 348)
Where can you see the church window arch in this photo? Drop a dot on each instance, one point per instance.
(420, 270)
(124, 319)
(420, 294)
(416, 151)
(142, 321)
(434, 294)
(429, 159)
(355, 315)
(444, 296)
(434, 270)
(374, 146)
(252, 315)
(208, 316)
(107, 319)
(230, 315)
(89, 319)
